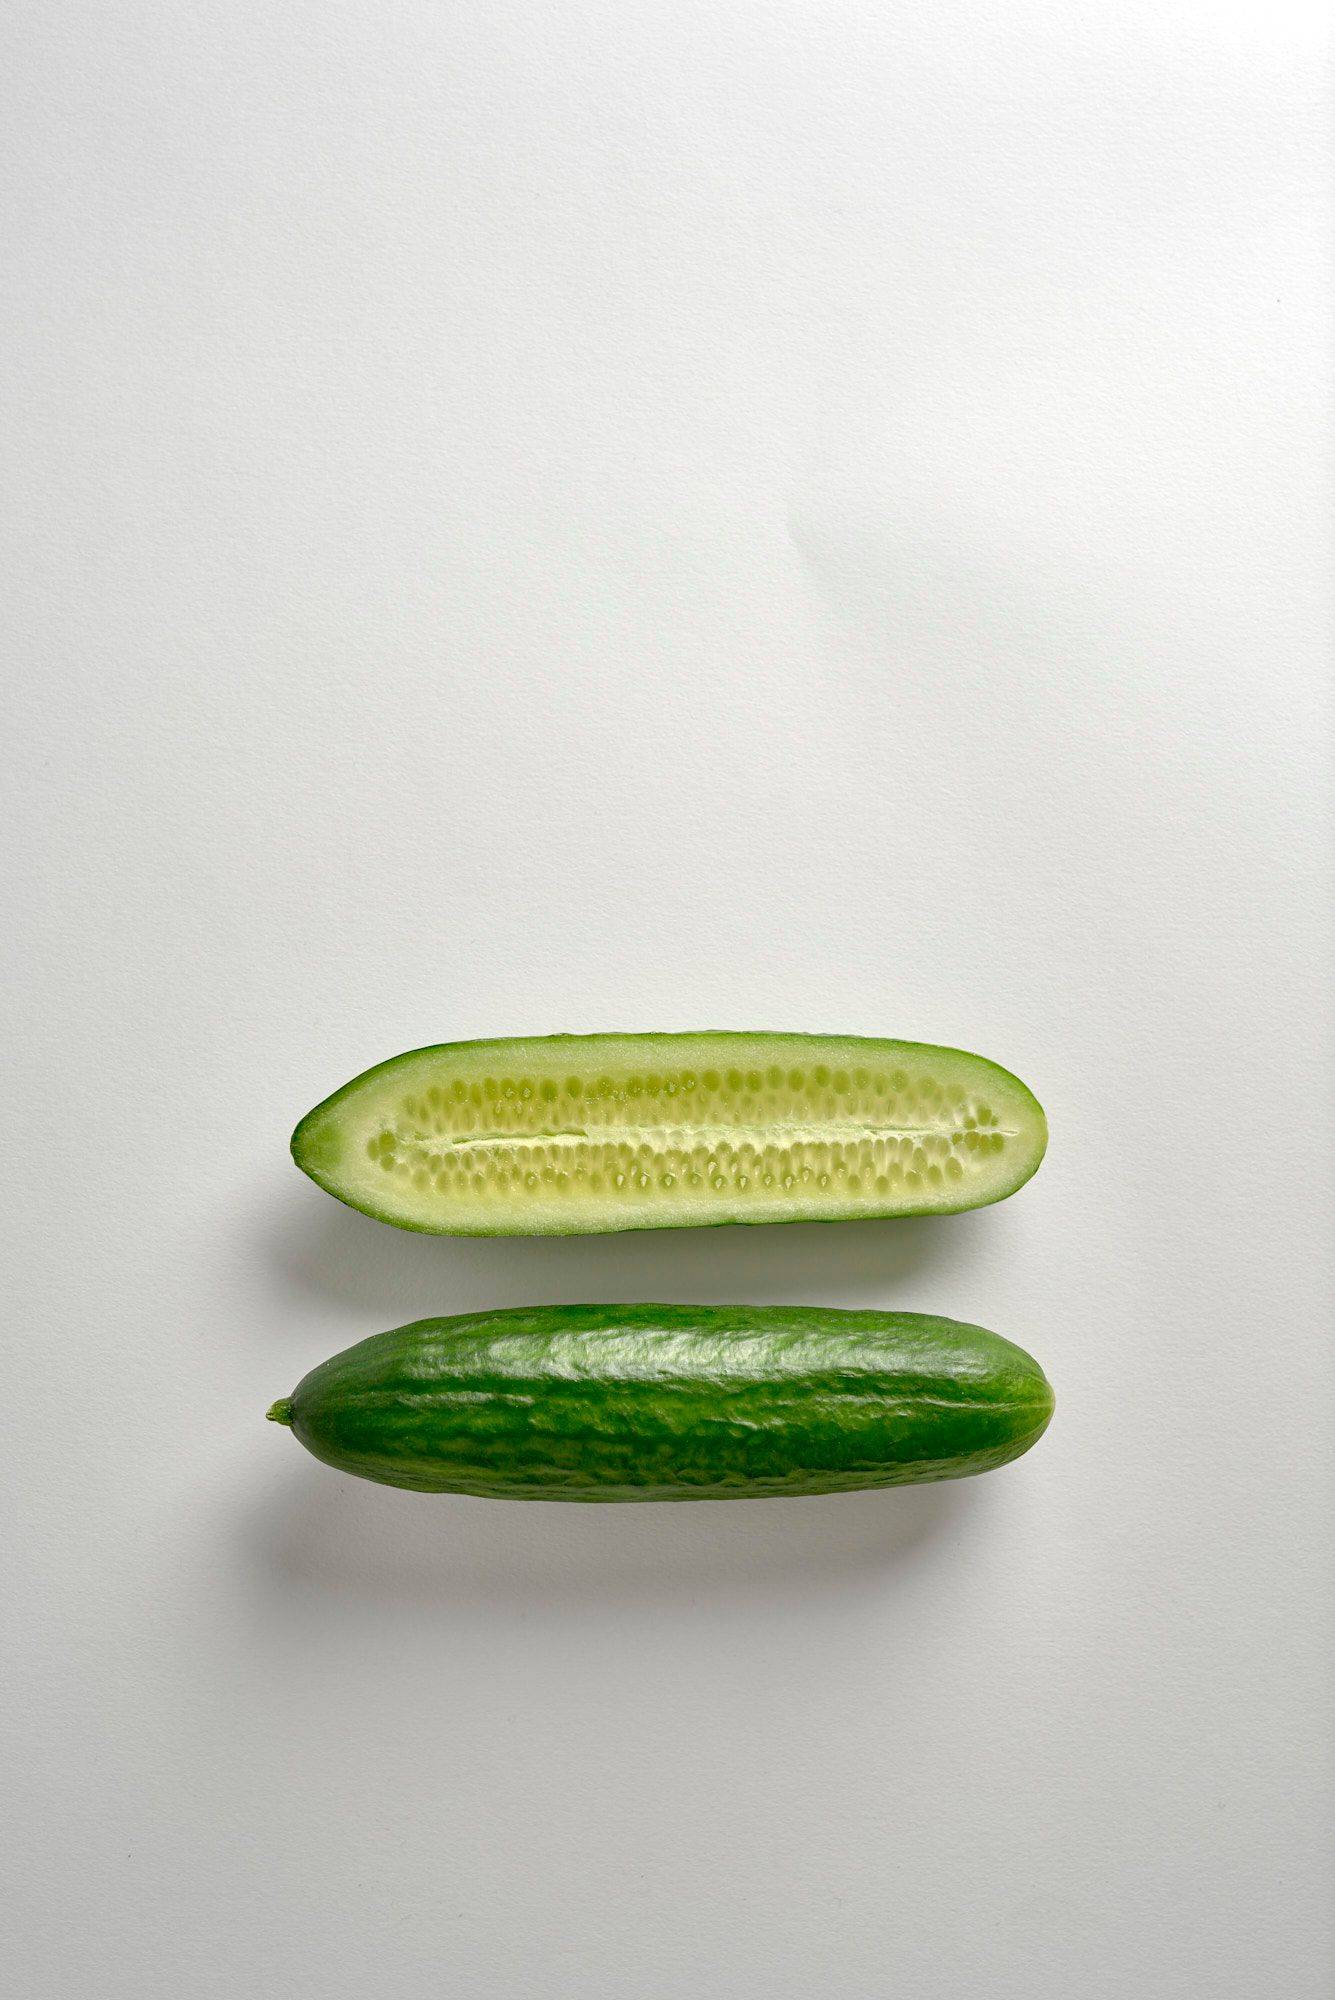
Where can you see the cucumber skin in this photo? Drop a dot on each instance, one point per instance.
(308, 1141)
(670, 1402)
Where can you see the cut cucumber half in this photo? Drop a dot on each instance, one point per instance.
(582, 1135)
(566, 1135)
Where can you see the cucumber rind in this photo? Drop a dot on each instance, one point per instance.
(668, 1402)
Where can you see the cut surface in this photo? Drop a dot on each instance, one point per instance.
(583, 1134)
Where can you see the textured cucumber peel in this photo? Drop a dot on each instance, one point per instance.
(654, 1402)
(567, 1135)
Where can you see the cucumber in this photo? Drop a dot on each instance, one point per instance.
(580, 1134)
(659, 1402)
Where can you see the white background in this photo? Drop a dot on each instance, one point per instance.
(579, 514)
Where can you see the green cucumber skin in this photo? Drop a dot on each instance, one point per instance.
(670, 1402)
(316, 1143)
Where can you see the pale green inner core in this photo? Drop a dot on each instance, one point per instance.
(734, 1135)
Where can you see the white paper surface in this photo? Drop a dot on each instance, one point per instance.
(528, 517)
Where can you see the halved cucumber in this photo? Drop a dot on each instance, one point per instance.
(566, 1135)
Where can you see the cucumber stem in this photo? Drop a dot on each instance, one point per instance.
(280, 1412)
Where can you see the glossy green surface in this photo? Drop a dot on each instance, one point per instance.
(657, 1402)
(581, 1134)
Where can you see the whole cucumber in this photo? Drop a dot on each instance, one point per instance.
(669, 1402)
(580, 1134)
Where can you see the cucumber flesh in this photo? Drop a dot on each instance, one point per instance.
(663, 1402)
(584, 1134)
